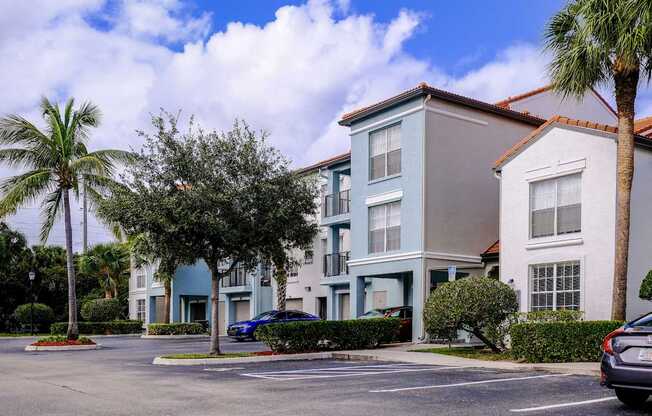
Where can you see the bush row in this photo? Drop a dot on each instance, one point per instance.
(561, 341)
(101, 310)
(310, 336)
(176, 329)
(100, 328)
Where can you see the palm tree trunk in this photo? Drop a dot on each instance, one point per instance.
(73, 331)
(214, 347)
(626, 83)
(280, 275)
(167, 285)
(108, 294)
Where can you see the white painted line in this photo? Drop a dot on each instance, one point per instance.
(219, 370)
(556, 406)
(469, 383)
(333, 372)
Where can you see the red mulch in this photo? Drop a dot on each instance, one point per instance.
(265, 353)
(61, 344)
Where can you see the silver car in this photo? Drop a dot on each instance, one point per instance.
(627, 361)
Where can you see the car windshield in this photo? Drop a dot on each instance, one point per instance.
(644, 321)
(374, 313)
(264, 316)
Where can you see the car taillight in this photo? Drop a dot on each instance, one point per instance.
(606, 344)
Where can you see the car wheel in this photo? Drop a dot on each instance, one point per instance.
(632, 398)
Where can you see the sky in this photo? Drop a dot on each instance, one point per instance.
(291, 68)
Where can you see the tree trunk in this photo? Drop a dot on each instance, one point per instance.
(108, 294)
(478, 333)
(73, 331)
(214, 347)
(281, 277)
(626, 84)
(167, 285)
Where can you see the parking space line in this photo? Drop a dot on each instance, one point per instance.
(468, 383)
(556, 406)
(333, 372)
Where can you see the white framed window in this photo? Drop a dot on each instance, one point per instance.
(555, 286)
(555, 206)
(308, 257)
(140, 310)
(141, 278)
(385, 152)
(385, 227)
(293, 271)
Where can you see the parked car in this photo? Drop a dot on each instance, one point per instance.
(627, 361)
(404, 314)
(245, 329)
(374, 313)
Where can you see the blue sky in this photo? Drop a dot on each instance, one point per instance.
(291, 68)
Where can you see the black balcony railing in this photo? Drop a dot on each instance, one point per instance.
(237, 277)
(337, 204)
(335, 264)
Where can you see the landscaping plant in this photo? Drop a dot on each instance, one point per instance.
(180, 328)
(57, 162)
(479, 305)
(597, 43)
(101, 328)
(645, 292)
(101, 310)
(43, 316)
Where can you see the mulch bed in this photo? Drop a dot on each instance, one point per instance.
(61, 343)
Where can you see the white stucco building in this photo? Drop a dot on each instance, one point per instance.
(557, 218)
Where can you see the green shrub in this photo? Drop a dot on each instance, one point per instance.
(479, 305)
(176, 329)
(63, 338)
(100, 328)
(310, 336)
(646, 287)
(550, 342)
(101, 310)
(43, 315)
(562, 315)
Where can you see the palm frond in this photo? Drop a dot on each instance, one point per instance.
(52, 209)
(13, 157)
(88, 115)
(23, 189)
(15, 129)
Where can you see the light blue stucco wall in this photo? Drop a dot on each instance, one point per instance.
(191, 281)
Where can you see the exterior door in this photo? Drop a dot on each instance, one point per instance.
(294, 304)
(322, 307)
(160, 308)
(242, 310)
(197, 311)
(345, 306)
(379, 299)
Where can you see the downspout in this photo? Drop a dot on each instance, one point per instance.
(424, 268)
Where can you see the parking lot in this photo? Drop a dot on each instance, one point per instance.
(120, 380)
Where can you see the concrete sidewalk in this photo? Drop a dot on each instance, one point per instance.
(403, 354)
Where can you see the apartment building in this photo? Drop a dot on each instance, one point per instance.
(558, 215)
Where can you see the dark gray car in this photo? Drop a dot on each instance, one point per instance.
(627, 361)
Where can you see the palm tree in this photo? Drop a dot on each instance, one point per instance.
(599, 43)
(110, 263)
(56, 160)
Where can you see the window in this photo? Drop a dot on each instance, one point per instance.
(140, 310)
(555, 286)
(141, 279)
(294, 270)
(385, 227)
(555, 206)
(308, 257)
(385, 152)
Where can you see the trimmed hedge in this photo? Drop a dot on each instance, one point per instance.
(100, 328)
(43, 315)
(553, 342)
(101, 310)
(311, 336)
(562, 315)
(176, 329)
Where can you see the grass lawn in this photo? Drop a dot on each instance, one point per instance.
(19, 335)
(478, 353)
(201, 356)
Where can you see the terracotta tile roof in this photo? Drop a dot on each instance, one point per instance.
(556, 119)
(425, 89)
(324, 163)
(642, 124)
(512, 99)
(493, 249)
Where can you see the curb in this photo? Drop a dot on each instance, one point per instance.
(63, 348)
(201, 336)
(243, 360)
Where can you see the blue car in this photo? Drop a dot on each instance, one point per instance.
(245, 329)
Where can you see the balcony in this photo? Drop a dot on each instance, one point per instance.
(335, 264)
(237, 278)
(337, 204)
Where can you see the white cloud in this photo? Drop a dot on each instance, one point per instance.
(293, 76)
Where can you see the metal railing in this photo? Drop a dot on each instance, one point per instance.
(337, 204)
(237, 277)
(336, 264)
